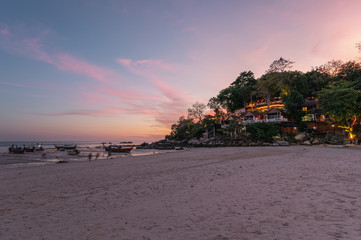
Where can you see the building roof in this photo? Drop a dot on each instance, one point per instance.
(274, 110)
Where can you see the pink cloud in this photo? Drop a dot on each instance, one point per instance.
(33, 47)
(66, 62)
(146, 66)
(164, 106)
(174, 102)
(91, 113)
(5, 32)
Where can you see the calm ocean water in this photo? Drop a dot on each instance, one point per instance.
(50, 155)
(50, 144)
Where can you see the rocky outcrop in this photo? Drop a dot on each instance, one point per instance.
(334, 139)
(163, 145)
(301, 137)
(207, 142)
(307, 138)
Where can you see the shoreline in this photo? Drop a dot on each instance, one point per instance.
(293, 192)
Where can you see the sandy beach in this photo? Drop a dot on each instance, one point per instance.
(228, 193)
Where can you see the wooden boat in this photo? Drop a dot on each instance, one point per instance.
(39, 147)
(29, 149)
(73, 152)
(118, 148)
(65, 146)
(16, 149)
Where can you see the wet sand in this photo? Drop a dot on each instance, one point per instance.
(221, 193)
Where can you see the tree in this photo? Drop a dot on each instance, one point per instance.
(293, 104)
(185, 129)
(215, 106)
(276, 80)
(316, 80)
(280, 65)
(331, 68)
(342, 102)
(349, 71)
(238, 93)
(196, 112)
(269, 86)
(246, 84)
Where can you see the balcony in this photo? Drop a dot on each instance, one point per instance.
(276, 120)
(266, 120)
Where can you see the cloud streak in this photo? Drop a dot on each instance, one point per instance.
(163, 107)
(174, 103)
(33, 47)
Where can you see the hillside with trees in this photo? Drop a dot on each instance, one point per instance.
(335, 85)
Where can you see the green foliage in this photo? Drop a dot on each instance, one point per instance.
(262, 131)
(186, 128)
(349, 71)
(237, 94)
(316, 80)
(342, 102)
(210, 122)
(293, 104)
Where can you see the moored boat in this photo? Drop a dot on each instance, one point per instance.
(29, 149)
(16, 149)
(39, 147)
(118, 148)
(65, 146)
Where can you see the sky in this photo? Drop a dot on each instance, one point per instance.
(105, 70)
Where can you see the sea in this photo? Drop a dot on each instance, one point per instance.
(50, 155)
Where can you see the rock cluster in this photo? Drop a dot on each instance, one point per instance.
(334, 139)
(206, 142)
(307, 138)
(304, 138)
(163, 145)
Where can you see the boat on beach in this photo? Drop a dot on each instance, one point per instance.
(29, 149)
(16, 149)
(118, 148)
(39, 147)
(65, 146)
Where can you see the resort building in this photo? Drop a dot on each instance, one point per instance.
(274, 111)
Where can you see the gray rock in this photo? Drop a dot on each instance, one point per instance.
(302, 137)
(316, 142)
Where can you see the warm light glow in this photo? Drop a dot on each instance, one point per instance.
(352, 136)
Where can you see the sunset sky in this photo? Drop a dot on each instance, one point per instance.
(126, 70)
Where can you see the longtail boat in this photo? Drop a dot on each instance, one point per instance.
(16, 149)
(29, 149)
(118, 148)
(65, 146)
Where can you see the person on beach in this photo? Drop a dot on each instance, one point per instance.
(96, 156)
(109, 153)
(90, 156)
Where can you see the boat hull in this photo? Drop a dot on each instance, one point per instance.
(67, 147)
(118, 149)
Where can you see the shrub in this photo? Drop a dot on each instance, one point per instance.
(262, 131)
